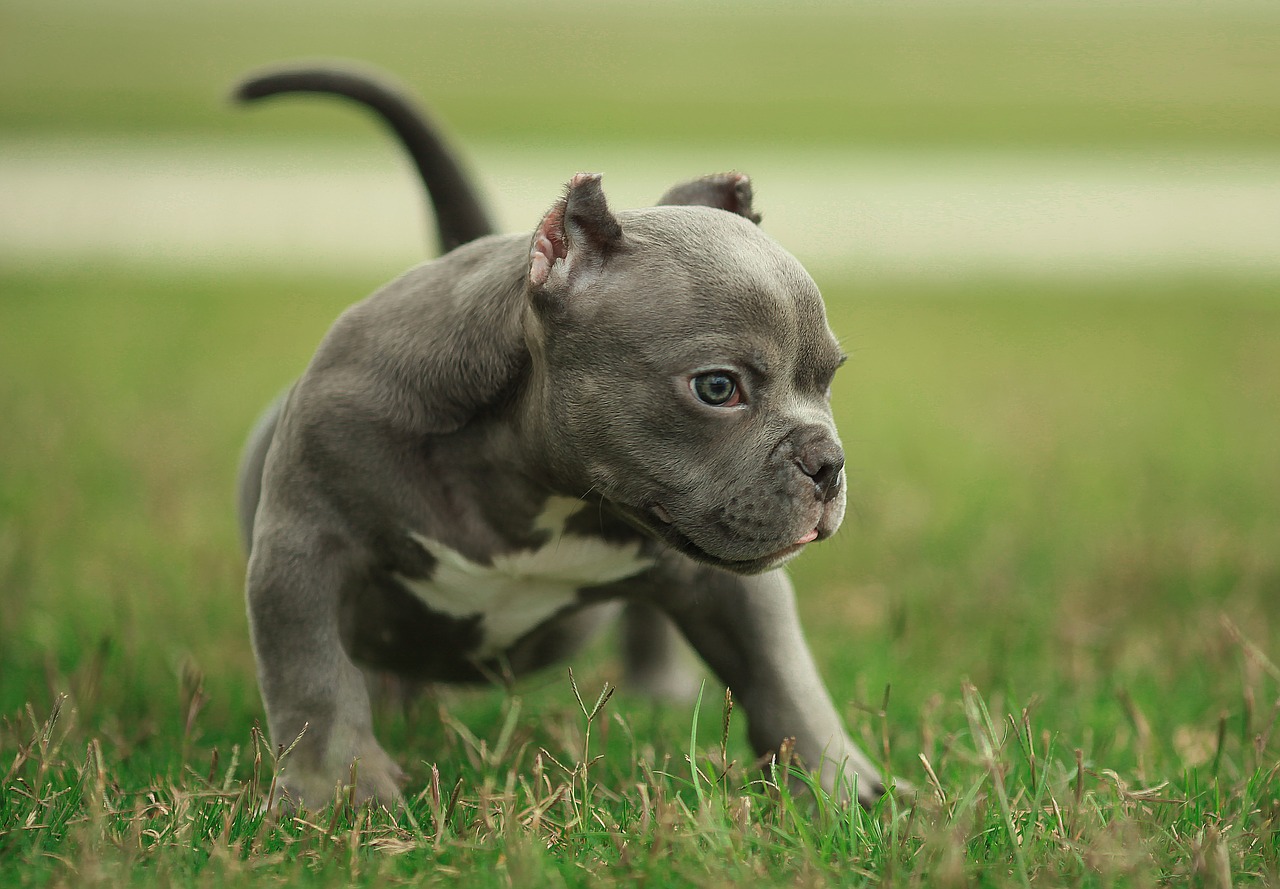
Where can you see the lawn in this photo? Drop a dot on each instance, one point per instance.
(1052, 607)
(1064, 506)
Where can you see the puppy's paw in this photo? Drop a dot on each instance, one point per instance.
(377, 780)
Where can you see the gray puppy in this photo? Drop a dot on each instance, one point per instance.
(489, 453)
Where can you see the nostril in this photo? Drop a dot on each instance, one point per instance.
(825, 473)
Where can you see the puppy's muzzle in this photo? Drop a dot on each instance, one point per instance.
(820, 457)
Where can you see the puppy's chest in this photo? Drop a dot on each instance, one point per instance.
(519, 590)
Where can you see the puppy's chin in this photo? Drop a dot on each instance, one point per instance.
(658, 523)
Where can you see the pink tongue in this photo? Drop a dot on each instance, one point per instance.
(812, 535)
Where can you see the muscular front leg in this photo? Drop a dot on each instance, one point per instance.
(747, 630)
(296, 576)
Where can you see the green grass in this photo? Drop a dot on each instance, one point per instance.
(1053, 604)
(1060, 567)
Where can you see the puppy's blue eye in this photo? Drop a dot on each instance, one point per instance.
(717, 389)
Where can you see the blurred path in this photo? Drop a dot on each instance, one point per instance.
(933, 213)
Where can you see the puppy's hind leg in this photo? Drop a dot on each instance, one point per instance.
(656, 659)
(252, 462)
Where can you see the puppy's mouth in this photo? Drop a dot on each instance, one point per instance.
(657, 521)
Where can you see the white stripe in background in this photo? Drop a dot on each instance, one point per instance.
(921, 212)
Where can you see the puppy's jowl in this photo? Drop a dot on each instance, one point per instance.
(491, 452)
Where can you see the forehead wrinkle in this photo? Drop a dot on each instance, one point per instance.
(738, 278)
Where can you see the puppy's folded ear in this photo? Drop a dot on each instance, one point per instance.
(578, 231)
(724, 191)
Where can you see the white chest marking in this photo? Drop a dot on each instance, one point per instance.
(522, 589)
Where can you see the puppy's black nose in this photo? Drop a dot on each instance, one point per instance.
(822, 462)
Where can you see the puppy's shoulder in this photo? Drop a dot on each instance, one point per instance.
(433, 347)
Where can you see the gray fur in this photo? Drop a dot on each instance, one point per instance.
(442, 416)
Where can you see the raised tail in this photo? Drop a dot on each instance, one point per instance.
(460, 214)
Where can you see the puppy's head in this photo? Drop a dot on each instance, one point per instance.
(684, 363)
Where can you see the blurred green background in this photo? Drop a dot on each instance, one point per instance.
(1056, 74)
(1064, 454)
